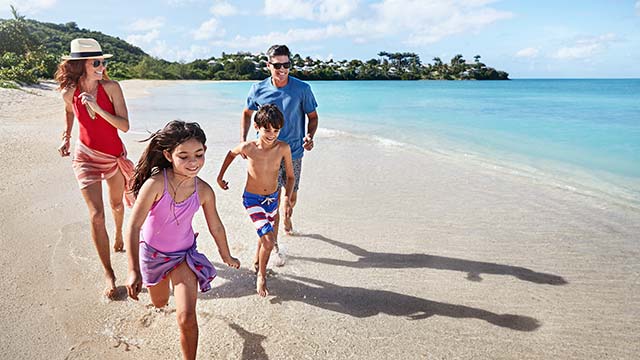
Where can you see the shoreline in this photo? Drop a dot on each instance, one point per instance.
(400, 252)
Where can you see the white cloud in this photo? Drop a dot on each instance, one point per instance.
(529, 52)
(332, 10)
(141, 40)
(289, 9)
(415, 22)
(222, 8)
(160, 49)
(178, 3)
(315, 10)
(428, 22)
(25, 7)
(147, 24)
(585, 48)
(262, 42)
(208, 29)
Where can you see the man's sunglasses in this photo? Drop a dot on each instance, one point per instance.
(96, 63)
(279, 65)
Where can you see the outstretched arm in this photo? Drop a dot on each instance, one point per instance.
(215, 225)
(231, 155)
(312, 127)
(147, 195)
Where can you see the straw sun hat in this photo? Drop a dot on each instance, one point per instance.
(85, 49)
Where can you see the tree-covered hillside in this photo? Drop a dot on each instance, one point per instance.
(30, 50)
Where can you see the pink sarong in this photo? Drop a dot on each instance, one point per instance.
(91, 166)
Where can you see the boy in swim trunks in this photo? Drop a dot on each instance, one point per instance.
(261, 195)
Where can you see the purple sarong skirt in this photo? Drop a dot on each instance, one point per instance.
(155, 265)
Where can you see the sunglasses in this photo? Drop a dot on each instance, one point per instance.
(277, 66)
(96, 63)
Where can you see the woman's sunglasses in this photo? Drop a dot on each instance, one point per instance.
(96, 63)
(277, 66)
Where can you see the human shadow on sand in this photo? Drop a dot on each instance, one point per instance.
(252, 348)
(368, 259)
(358, 302)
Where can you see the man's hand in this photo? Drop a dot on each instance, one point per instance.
(308, 142)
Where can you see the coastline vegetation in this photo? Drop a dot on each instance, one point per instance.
(30, 50)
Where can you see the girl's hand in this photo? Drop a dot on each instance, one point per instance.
(232, 262)
(64, 148)
(224, 185)
(134, 284)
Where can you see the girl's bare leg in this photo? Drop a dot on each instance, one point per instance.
(116, 185)
(93, 197)
(159, 293)
(185, 291)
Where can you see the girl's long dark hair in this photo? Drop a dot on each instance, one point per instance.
(168, 138)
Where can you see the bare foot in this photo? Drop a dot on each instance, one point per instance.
(110, 290)
(288, 226)
(118, 246)
(261, 285)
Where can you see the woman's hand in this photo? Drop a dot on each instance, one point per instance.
(89, 101)
(64, 148)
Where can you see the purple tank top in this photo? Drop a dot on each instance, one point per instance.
(168, 224)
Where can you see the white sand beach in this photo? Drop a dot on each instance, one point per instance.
(401, 254)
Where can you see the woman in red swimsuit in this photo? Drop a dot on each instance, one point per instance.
(99, 106)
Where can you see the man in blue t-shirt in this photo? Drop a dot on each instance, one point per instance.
(294, 98)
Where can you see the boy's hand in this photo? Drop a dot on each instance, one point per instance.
(224, 185)
(232, 262)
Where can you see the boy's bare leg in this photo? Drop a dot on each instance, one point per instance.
(256, 259)
(268, 241)
(185, 292)
(93, 197)
(116, 185)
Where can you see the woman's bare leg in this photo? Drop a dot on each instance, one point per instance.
(93, 197)
(116, 184)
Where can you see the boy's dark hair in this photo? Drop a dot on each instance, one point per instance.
(269, 115)
(168, 138)
(277, 50)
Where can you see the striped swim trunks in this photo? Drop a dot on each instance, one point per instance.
(262, 209)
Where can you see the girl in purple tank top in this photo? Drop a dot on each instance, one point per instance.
(160, 239)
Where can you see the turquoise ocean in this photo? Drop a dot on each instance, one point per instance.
(582, 135)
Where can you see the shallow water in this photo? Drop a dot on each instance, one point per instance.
(582, 135)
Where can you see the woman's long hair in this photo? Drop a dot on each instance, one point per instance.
(153, 160)
(70, 71)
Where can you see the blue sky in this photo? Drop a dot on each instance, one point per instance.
(528, 39)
